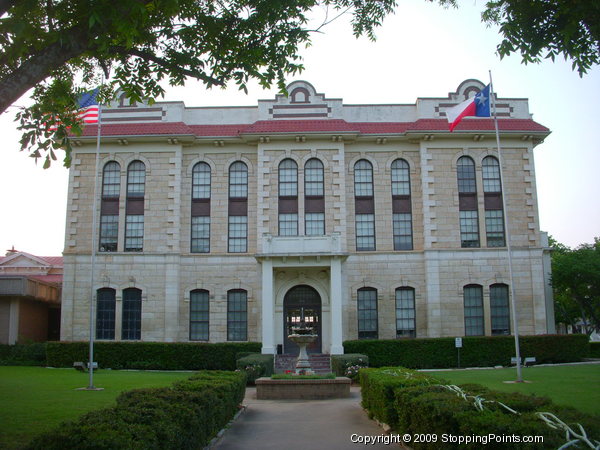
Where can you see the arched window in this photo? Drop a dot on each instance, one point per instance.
(288, 198)
(238, 208)
(109, 209)
(367, 313)
(132, 314)
(237, 315)
(199, 315)
(473, 307)
(494, 212)
(401, 206)
(499, 310)
(105, 313)
(467, 196)
(200, 241)
(364, 205)
(314, 198)
(405, 312)
(134, 208)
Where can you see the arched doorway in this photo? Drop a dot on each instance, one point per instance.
(300, 302)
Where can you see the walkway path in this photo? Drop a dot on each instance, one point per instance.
(301, 424)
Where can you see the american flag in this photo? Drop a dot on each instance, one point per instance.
(88, 106)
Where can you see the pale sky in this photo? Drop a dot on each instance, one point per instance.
(421, 51)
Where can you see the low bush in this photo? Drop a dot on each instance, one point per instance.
(341, 363)
(594, 349)
(150, 355)
(185, 416)
(33, 354)
(411, 402)
(482, 351)
(255, 365)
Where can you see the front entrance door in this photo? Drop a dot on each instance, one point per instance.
(301, 302)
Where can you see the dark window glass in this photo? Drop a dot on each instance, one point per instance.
(474, 322)
(199, 315)
(500, 312)
(237, 315)
(367, 313)
(105, 313)
(134, 233)
(469, 229)
(402, 227)
(109, 233)
(136, 179)
(238, 234)
(405, 312)
(466, 175)
(363, 179)
(365, 232)
(494, 228)
(111, 180)
(200, 234)
(491, 175)
(132, 314)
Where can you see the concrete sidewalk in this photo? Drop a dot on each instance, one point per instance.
(301, 424)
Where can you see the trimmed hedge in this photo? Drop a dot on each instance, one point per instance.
(256, 365)
(594, 349)
(150, 355)
(185, 416)
(476, 351)
(339, 363)
(411, 402)
(33, 354)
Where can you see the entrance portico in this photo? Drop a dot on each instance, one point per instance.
(291, 262)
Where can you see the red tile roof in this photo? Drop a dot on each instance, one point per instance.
(47, 278)
(310, 126)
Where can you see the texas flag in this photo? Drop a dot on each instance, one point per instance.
(478, 106)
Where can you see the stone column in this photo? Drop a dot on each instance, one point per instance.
(268, 346)
(336, 307)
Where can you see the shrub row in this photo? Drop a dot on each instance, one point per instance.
(594, 349)
(33, 354)
(339, 363)
(475, 352)
(185, 416)
(150, 355)
(256, 365)
(413, 403)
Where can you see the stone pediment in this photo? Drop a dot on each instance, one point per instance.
(301, 102)
(23, 259)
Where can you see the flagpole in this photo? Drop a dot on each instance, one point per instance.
(508, 240)
(94, 246)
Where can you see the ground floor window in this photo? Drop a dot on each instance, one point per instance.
(405, 312)
(367, 313)
(499, 309)
(474, 322)
(237, 315)
(132, 314)
(105, 313)
(199, 315)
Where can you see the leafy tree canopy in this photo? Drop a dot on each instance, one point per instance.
(576, 284)
(63, 47)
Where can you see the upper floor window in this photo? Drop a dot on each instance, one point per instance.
(111, 180)
(466, 175)
(400, 178)
(136, 179)
(494, 212)
(201, 181)
(363, 179)
(401, 206)
(313, 178)
(238, 180)
(491, 175)
(288, 178)
(314, 198)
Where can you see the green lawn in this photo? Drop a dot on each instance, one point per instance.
(36, 399)
(577, 385)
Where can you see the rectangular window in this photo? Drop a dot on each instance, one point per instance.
(132, 314)
(474, 323)
(469, 229)
(237, 315)
(314, 224)
(367, 314)
(105, 314)
(494, 228)
(199, 315)
(134, 233)
(109, 233)
(238, 234)
(365, 232)
(405, 313)
(288, 224)
(200, 234)
(402, 224)
(500, 313)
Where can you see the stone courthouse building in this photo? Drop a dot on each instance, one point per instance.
(366, 221)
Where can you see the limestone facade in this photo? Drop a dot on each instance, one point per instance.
(171, 139)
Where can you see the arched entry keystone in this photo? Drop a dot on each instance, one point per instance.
(301, 301)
